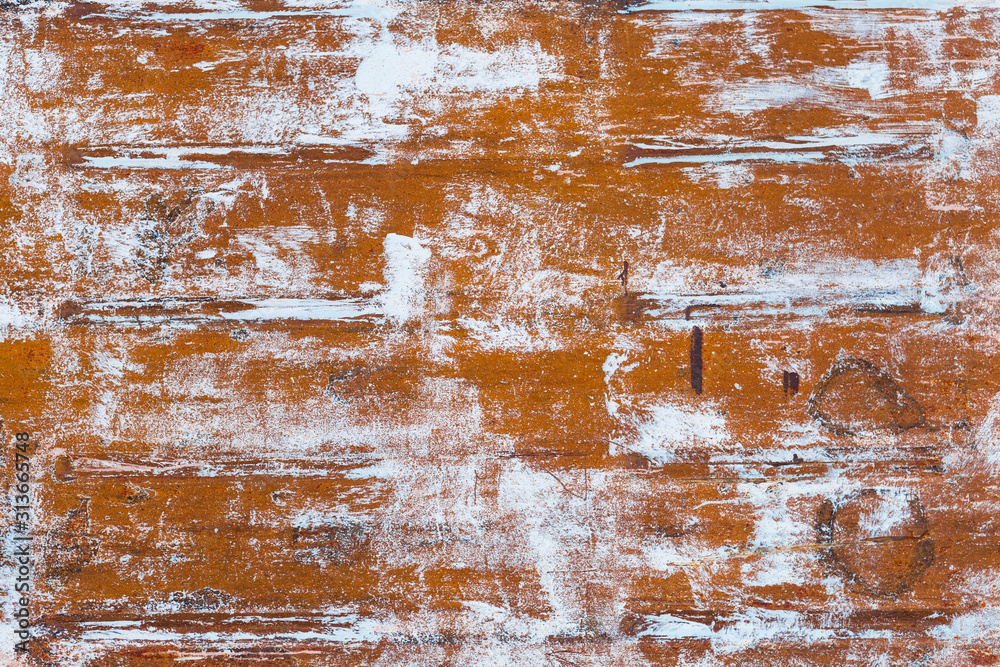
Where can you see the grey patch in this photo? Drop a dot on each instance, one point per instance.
(334, 386)
(771, 267)
(280, 496)
(203, 599)
(161, 230)
(331, 544)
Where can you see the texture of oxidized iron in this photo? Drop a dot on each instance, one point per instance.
(364, 332)
(855, 395)
(879, 539)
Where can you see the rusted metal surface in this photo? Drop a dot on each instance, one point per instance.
(422, 333)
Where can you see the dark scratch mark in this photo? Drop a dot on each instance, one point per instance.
(796, 460)
(791, 383)
(623, 276)
(691, 309)
(565, 488)
(696, 361)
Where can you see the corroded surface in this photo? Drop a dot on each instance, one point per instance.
(319, 319)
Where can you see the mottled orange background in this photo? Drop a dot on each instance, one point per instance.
(316, 314)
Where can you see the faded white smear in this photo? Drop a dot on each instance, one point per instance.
(749, 97)
(404, 273)
(660, 429)
(750, 628)
(752, 5)
(988, 434)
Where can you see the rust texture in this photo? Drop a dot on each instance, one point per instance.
(371, 332)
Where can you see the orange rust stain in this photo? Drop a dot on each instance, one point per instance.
(483, 459)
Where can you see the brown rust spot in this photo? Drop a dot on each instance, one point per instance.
(631, 308)
(69, 309)
(879, 540)
(135, 494)
(855, 396)
(71, 546)
(790, 382)
(62, 469)
(983, 656)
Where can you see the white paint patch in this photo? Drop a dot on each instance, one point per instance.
(14, 319)
(750, 628)
(280, 258)
(774, 525)
(779, 569)
(794, 149)
(553, 516)
(667, 277)
(750, 97)
(377, 471)
(806, 289)
(363, 630)
(21, 122)
(988, 115)
(672, 555)
(782, 522)
(666, 627)
(501, 335)
(396, 74)
(891, 511)
(660, 429)
(613, 363)
(612, 401)
(726, 175)
(257, 310)
(870, 76)
(988, 434)
(388, 69)
(303, 309)
(789, 157)
(547, 287)
(29, 173)
(400, 82)
(405, 271)
(983, 624)
(354, 10)
(147, 163)
(172, 157)
(766, 5)
(314, 518)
